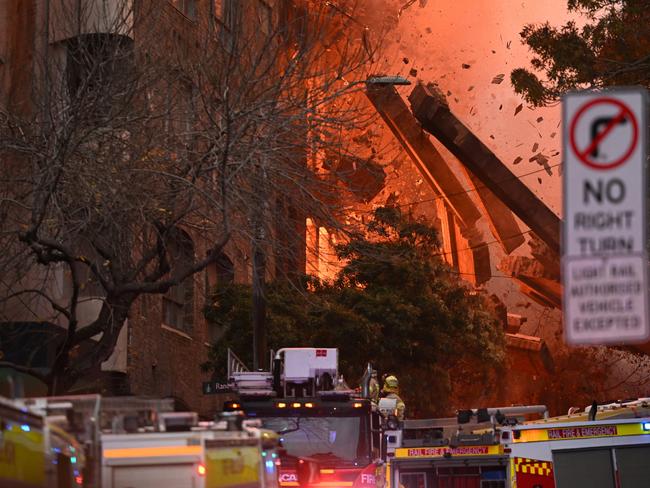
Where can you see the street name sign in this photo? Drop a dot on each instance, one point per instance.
(604, 260)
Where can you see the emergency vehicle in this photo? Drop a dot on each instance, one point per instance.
(35, 451)
(461, 452)
(607, 446)
(142, 443)
(186, 454)
(318, 419)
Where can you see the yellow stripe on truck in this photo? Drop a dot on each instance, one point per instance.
(144, 452)
(579, 432)
(232, 467)
(428, 452)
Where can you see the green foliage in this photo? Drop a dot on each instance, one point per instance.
(611, 48)
(395, 303)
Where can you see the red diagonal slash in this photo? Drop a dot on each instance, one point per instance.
(601, 135)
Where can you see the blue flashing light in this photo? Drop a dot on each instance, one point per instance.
(263, 453)
(73, 459)
(646, 426)
(25, 428)
(270, 465)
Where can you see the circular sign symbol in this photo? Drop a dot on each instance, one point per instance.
(604, 133)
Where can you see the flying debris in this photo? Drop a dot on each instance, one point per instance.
(406, 60)
(508, 44)
(413, 72)
(500, 106)
(470, 88)
(498, 79)
(553, 134)
(466, 66)
(542, 160)
(539, 180)
(405, 6)
(518, 160)
(539, 119)
(519, 108)
(535, 147)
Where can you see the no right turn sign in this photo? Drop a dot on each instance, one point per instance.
(604, 242)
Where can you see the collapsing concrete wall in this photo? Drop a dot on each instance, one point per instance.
(433, 113)
(456, 210)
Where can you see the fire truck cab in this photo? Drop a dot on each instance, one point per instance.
(318, 419)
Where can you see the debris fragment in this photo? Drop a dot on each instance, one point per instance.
(519, 108)
(404, 7)
(406, 60)
(466, 66)
(518, 160)
(542, 160)
(428, 30)
(553, 134)
(508, 44)
(491, 136)
(539, 180)
(498, 79)
(470, 88)
(535, 147)
(500, 106)
(448, 93)
(539, 119)
(413, 72)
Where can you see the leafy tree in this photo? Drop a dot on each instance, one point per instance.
(395, 303)
(611, 48)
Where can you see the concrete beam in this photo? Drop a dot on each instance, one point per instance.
(431, 110)
(435, 170)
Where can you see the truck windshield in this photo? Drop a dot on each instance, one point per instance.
(326, 439)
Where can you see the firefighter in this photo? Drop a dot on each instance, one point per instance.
(391, 390)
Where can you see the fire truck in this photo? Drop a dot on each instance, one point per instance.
(319, 420)
(35, 451)
(606, 446)
(134, 442)
(461, 452)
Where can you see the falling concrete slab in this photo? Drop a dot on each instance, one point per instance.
(432, 111)
(432, 165)
(435, 170)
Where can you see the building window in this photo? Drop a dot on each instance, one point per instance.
(188, 7)
(98, 68)
(178, 303)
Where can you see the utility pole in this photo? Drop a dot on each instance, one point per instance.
(258, 311)
(259, 308)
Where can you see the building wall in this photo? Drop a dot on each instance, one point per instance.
(159, 360)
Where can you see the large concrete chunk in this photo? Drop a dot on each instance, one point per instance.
(430, 163)
(434, 115)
